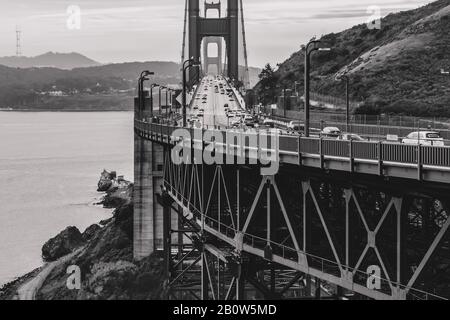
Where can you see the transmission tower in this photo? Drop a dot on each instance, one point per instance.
(18, 39)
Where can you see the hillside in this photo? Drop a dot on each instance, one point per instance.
(108, 87)
(392, 70)
(50, 59)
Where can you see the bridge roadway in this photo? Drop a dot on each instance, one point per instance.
(213, 105)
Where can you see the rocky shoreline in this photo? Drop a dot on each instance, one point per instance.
(103, 253)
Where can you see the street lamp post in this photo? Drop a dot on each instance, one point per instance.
(186, 65)
(347, 99)
(142, 79)
(310, 48)
(296, 83)
(154, 85)
(159, 98)
(169, 102)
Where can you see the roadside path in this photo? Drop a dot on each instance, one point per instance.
(29, 290)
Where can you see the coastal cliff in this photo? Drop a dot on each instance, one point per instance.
(103, 253)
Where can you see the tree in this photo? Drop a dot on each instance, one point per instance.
(267, 84)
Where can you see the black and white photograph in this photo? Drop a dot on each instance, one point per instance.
(227, 158)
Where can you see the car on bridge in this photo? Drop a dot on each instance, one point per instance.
(236, 123)
(291, 125)
(424, 138)
(331, 132)
(269, 123)
(249, 121)
(350, 137)
(295, 126)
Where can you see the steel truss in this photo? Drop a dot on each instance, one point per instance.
(303, 234)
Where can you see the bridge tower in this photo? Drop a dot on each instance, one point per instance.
(208, 60)
(222, 27)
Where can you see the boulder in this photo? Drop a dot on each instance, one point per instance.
(63, 244)
(106, 180)
(90, 232)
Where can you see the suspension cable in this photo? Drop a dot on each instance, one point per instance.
(247, 73)
(183, 48)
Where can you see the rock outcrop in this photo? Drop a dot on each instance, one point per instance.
(63, 244)
(106, 181)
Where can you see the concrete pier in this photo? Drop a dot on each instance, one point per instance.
(148, 214)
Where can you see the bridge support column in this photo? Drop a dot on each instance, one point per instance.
(167, 241)
(205, 277)
(148, 159)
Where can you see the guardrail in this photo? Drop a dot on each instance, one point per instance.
(321, 147)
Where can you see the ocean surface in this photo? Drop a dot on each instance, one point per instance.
(50, 164)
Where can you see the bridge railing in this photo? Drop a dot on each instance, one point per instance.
(296, 145)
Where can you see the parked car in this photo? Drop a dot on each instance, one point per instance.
(331, 132)
(424, 138)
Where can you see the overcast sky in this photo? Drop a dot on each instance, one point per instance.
(140, 30)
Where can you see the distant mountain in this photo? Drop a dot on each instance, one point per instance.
(65, 61)
(396, 69)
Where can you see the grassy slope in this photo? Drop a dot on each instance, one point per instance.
(394, 70)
